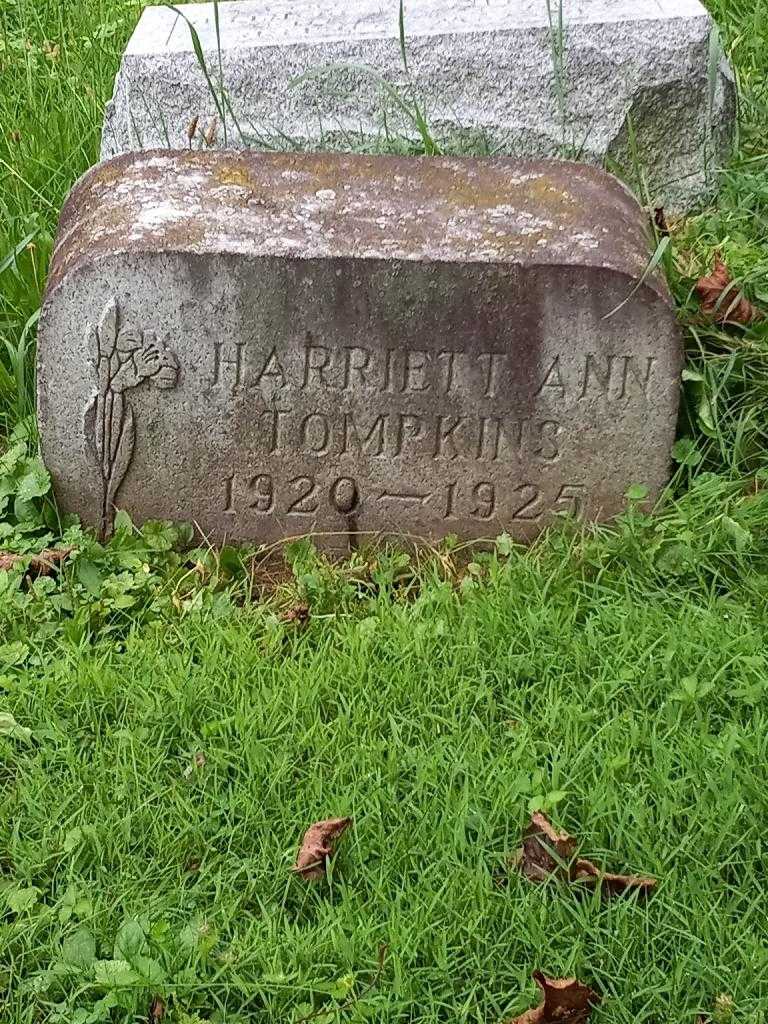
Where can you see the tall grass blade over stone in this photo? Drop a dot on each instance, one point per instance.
(401, 30)
(651, 265)
(557, 52)
(221, 69)
(216, 94)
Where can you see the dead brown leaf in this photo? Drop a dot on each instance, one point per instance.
(721, 299)
(44, 563)
(317, 845)
(610, 884)
(547, 853)
(156, 1011)
(298, 614)
(197, 763)
(564, 1001)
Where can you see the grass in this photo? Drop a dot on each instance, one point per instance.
(436, 716)
(171, 737)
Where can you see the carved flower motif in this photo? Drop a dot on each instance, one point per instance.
(168, 373)
(147, 358)
(123, 357)
(142, 357)
(129, 340)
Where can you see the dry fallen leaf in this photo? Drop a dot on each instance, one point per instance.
(565, 1001)
(610, 884)
(156, 1011)
(298, 614)
(44, 563)
(317, 845)
(547, 853)
(722, 300)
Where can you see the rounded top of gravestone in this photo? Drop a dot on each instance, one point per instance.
(314, 206)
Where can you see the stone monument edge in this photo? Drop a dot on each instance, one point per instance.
(83, 202)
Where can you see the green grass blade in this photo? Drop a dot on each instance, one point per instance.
(412, 113)
(651, 265)
(200, 56)
(221, 67)
(401, 29)
(18, 249)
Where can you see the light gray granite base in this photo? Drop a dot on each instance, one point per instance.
(636, 85)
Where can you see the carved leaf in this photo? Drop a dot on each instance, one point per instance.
(123, 359)
(126, 376)
(148, 359)
(129, 339)
(115, 424)
(89, 429)
(98, 431)
(168, 375)
(93, 344)
(124, 453)
(106, 437)
(108, 328)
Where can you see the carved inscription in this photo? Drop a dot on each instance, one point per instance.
(298, 496)
(262, 494)
(402, 435)
(395, 371)
(461, 437)
(416, 414)
(123, 357)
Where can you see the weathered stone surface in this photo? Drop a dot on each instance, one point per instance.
(275, 344)
(485, 72)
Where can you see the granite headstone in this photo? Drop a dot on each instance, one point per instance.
(273, 344)
(637, 84)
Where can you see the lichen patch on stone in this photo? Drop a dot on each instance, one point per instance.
(321, 205)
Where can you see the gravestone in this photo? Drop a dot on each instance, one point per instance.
(637, 84)
(274, 344)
